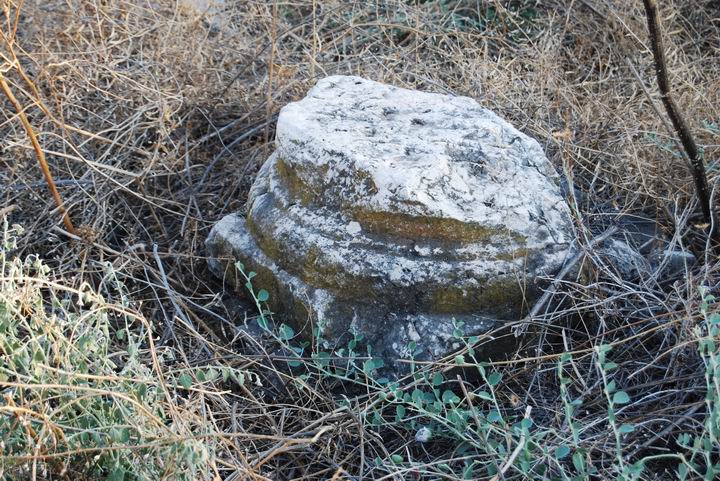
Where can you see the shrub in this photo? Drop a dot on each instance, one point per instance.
(82, 390)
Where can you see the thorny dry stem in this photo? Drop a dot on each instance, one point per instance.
(681, 127)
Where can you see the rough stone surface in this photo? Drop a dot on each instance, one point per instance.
(389, 212)
(640, 249)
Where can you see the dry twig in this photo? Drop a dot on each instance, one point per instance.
(39, 153)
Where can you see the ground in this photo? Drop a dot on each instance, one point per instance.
(120, 353)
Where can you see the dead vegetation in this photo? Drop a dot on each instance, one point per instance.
(154, 115)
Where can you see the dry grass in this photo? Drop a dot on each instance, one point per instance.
(154, 117)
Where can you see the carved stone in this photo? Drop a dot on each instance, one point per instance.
(391, 212)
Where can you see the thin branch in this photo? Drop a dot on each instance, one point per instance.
(515, 453)
(39, 153)
(697, 166)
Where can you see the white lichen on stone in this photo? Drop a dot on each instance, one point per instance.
(421, 154)
(353, 228)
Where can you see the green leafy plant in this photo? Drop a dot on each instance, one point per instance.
(78, 393)
(701, 459)
(436, 409)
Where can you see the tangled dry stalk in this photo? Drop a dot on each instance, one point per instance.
(155, 115)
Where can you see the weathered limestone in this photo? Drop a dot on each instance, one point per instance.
(389, 212)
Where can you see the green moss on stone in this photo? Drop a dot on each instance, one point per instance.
(295, 185)
(400, 225)
(498, 297)
(520, 253)
(306, 266)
